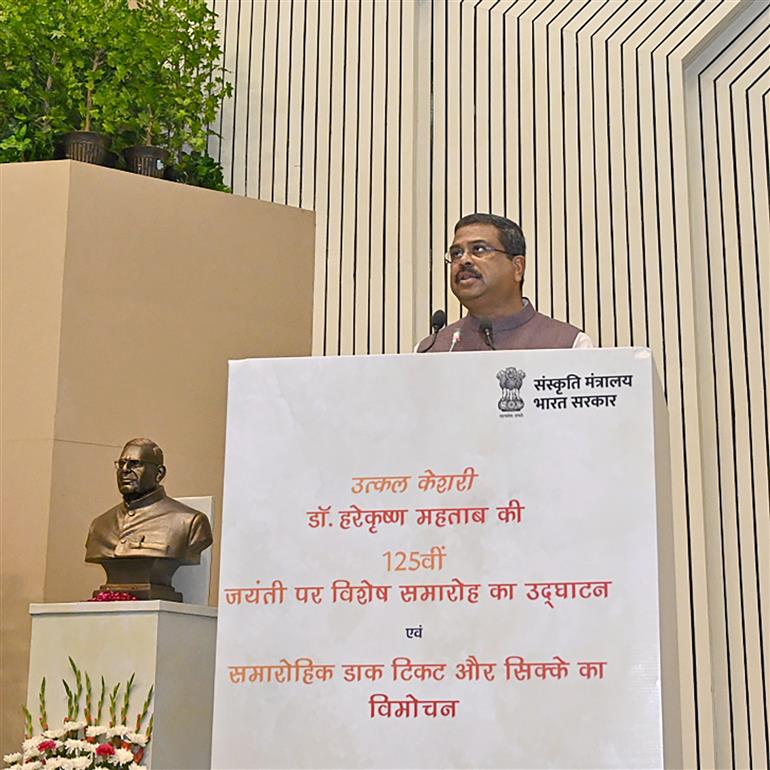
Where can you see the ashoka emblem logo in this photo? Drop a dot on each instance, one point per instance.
(510, 380)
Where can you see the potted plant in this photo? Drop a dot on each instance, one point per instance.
(93, 39)
(59, 70)
(147, 73)
(32, 108)
(175, 82)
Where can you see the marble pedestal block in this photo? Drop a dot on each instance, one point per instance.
(163, 643)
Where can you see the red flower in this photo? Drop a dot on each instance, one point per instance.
(45, 745)
(105, 750)
(113, 596)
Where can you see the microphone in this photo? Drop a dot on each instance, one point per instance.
(455, 340)
(437, 323)
(485, 327)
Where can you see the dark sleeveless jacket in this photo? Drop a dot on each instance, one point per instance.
(525, 330)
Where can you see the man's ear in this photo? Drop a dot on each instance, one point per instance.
(161, 473)
(519, 266)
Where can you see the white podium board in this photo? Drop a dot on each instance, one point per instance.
(449, 560)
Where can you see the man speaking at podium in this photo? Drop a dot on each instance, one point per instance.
(487, 259)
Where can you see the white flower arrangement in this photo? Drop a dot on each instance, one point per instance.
(75, 763)
(31, 742)
(74, 745)
(88, 743)
(123, 757)
(54, 734)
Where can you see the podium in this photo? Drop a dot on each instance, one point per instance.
(464, 560)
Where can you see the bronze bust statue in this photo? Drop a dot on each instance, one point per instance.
(141, 542)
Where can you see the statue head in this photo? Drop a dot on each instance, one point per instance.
(140, 469)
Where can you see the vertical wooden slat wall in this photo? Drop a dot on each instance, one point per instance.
(630, 140)
(727, 87)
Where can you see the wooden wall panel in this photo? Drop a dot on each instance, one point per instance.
(630, 140)
(730, 265)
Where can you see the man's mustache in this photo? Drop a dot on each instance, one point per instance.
(467, 272)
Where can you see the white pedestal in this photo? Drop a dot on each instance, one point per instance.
(170, 645)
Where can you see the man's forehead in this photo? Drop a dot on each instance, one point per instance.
(477, 232)
(137, 452)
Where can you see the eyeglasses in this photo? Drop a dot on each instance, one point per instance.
(477, 250)
(132, 465)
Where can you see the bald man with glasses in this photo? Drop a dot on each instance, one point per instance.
(147, 523)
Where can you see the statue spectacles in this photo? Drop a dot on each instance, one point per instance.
(132, 465)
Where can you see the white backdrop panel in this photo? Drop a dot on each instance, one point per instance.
(301, 431)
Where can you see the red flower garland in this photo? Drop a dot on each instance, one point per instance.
(113, 596)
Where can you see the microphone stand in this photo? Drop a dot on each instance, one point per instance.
(433, 339)
(485, 327)
(438, 322)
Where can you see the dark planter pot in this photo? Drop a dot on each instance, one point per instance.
(86, 146)
(171, 174)
(149, 161)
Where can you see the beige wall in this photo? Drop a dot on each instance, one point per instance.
(123, 299)
(31, 326)
(630, 140)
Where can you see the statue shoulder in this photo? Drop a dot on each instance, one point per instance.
(171, 505)
(195, 523)
(106, 517)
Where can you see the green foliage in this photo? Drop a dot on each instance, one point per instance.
(146, 72)
(145, 707)
(114, 705)
(42, 706)
(100, 704)
(126, 700)
(28, 727)
(73, 696)
(174, 82)
(60, 70)
(75, 730)
(70, 698)
(32, 108)
(200, 170)
(88, 712)
(92, 40)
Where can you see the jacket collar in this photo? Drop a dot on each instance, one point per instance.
(505, 323)
(150, 498)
